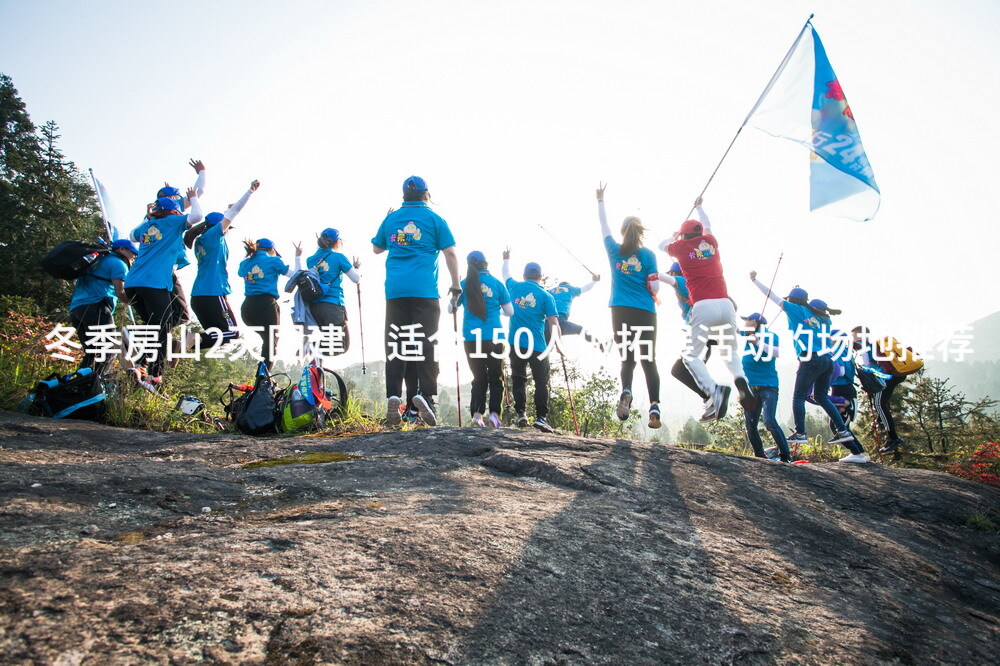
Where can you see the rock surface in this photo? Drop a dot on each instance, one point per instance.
(478, 546)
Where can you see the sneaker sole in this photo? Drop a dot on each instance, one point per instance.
(841, 440)
(624, 405)
(392, 415)
(654, 421)
(747, 399)
(426, 414)
(725, 402)
(547, 428)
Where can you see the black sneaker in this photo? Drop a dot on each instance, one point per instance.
(541, 424)
(722, 402)
(892, 446)
(522, 420)
(654, 417)
(747, 399)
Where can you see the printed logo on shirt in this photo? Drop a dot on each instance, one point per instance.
(407, 235)
(255, 274)
(561, 289)
(526, 302)
(703, 251)
(151, 235)
(323, 267)
(199, 250)
(811, 322)
(487, 292)
(630, 265)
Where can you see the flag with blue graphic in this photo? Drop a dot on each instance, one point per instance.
(108, 210)
(805, 103)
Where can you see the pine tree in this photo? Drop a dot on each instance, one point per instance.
(44, 200)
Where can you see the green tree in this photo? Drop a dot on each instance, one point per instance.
(694, 433)
(943, 419)
(44, 200)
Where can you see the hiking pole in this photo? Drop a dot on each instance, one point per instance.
(567, 250)
(767, 297)
(458, 382)
(572, 407)
(361, 329)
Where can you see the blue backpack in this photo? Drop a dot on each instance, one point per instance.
(78, 395)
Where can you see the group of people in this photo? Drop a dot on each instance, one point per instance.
(141, 271)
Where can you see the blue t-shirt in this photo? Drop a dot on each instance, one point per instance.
(757, 366)
(564, 295)
(683, 299)
(413, 237)
(495, 295)
(330, 266)
(90, 288)
(161, 242)
(810, 332)
(532, 304)
(212, 253)
(628, 276)
(260, 273)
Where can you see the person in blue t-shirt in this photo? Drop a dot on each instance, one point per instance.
(484, 298)
(150, 283)
(810, 328)
(210, 292)
(762, 377)
(95, 295)
(413, 236)
(533, 326)
(331, 266)
(565, 293)
(634, 285)
(260, 272)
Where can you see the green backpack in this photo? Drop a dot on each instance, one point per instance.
(320, 395)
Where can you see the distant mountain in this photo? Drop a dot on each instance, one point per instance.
(977, 375)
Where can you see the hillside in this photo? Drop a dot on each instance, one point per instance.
(978, 374)
(473, 546)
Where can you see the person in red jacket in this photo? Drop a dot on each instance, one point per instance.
(712, 313)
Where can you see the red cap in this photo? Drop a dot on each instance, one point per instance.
(691, 227)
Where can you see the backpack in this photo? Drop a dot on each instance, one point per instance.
(309, 286)
(896, 359)
(78, 395)
(253, 412)
(319, 395)
(72, 259)
(872, 380)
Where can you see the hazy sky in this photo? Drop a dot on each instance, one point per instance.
(513, 111)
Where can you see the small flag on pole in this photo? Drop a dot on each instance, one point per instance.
(805, 103)
(108, 209)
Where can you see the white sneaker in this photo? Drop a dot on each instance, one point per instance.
(856, 458)
(392, 417)
(424, 409)
(624, 405)
(477, 421)
(841, 436)
(495, 421)
(709, 414)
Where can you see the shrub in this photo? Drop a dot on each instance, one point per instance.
(983, 465)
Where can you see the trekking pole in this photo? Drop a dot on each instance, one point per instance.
(361, 329)
(767, 297)
(572, 407)
(458, 382)
(567, 250)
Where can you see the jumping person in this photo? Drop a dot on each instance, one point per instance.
(533, 326)
(260, 271)
(484, 298)
(759, 367)
(869, 351)
(712, 311)
(95, 295)
(210, 292)
(810, 328)
(675, 278)
(149, 284)
(634, 284)
(413, 236)
(331, 266)
(564, 293)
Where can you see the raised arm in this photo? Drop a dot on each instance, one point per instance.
(196, 215)
(505, 271)
(235, 209)
(601, 214)
(767, 292)
(706, 224)
(594, 279)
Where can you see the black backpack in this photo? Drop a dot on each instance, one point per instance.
(253, 412)
(72, 259)
(79, 395)
(309, 287)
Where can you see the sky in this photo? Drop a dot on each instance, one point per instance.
(514, 111)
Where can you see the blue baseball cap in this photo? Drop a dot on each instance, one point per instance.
(166, 203)
(798, 293)
(675, 268)
(533, 270)
(125, 243)
(168, 192)
(757, 317)
(476, 256)
(265, 244)
(819, 304)
(414, 183)
(331, 234)
(214, 218)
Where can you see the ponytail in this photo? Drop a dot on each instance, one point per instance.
(632, 236)
(250, 246)
(474, 300)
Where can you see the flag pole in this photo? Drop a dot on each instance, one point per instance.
(767, 89)
(100, 202)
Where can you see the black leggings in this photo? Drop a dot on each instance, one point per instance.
(640, 345)
(262, 310)
(332, 314)
(425, 313)
(486, 363)
(519, 379)
(155, 307)
(214, 312)
(86, 319)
